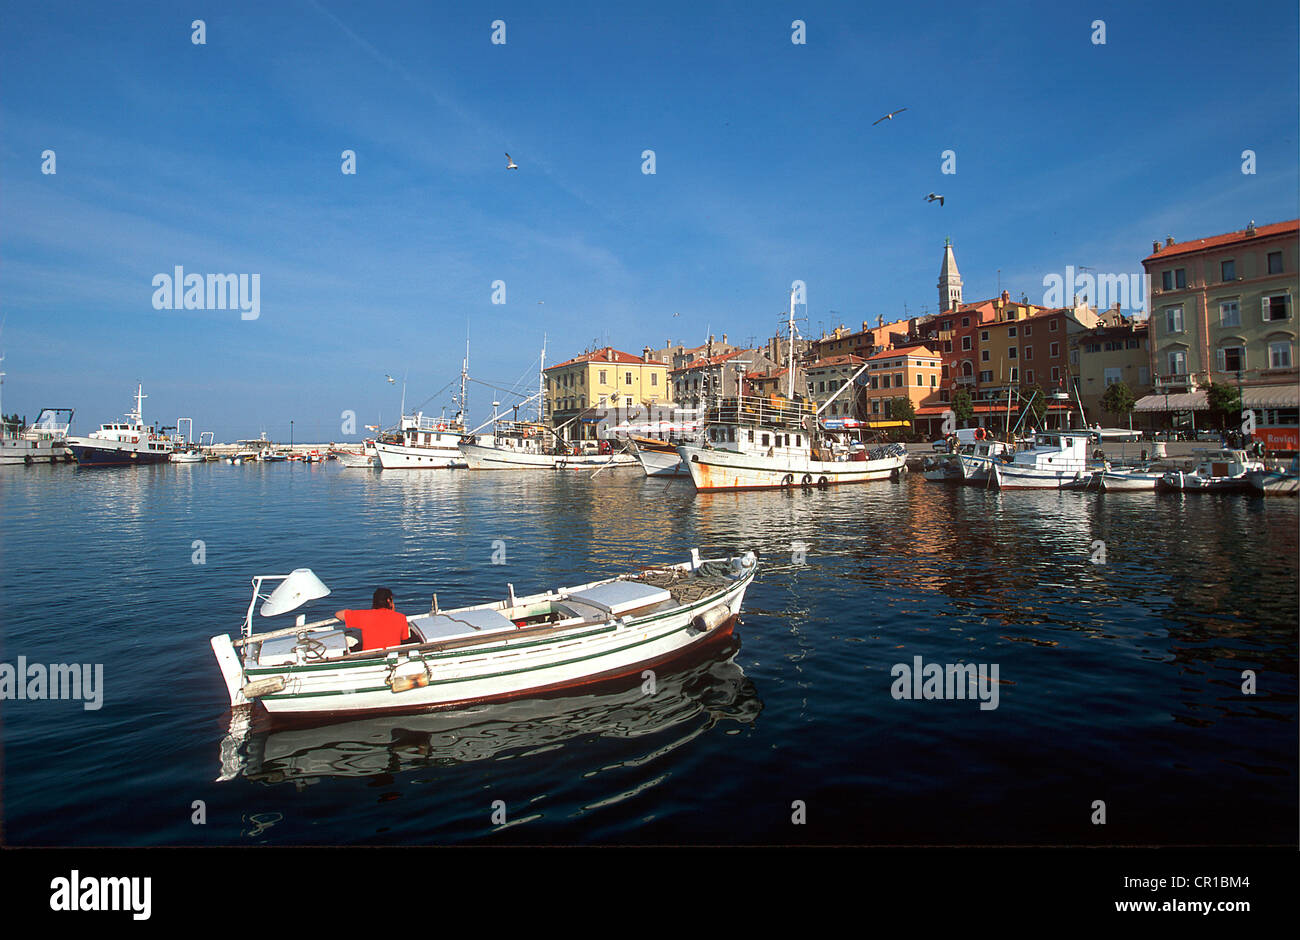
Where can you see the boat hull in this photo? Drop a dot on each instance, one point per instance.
(1011, 477)
(661, 463)
(356, 461)
(1272, 483)
(96, 456)
(1139, 481)
(28, 452)
(481, 457)
(406, 457)
(728, 470)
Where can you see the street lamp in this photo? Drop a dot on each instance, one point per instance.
(291, 433)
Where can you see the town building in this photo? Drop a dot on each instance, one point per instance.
(706, 379)
(828, 376)
(913, 372)
(1223, 310)
(1114, 350)
(579, 392)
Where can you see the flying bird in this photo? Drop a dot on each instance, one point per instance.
(933, 198)
(889, 116)
(510, 164)
(391, 380)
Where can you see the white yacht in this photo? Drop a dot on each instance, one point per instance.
(1217, 470)
(123, 444)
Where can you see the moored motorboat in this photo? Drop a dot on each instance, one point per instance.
(521, 646)
(1117, 479)
(1278, 481)
(366, 458)
(1221, 470)
(187, 456)
(1058, 458)
(44, 441)
(657, 458)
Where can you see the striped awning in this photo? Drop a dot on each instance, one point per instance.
(1183, 401)
(1271, 396)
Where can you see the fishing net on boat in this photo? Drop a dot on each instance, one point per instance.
(688, 587)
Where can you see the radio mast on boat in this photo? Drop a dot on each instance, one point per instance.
(541, 385)
(464, 375)
(790, 365)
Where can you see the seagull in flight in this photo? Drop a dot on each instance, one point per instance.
(510, 164)
(889, 116)
(391, 380)
(933, 198)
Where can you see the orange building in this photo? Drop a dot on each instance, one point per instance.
(913, 372)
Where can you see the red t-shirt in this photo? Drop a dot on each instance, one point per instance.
(379, 627)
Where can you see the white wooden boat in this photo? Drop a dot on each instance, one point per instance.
(1277, 482)
(1125, 480)
(976, 458)
(523, 445)
(186, 456)
(1218, 470)
(1057, 458)
(762, 443)
(657, 458)
(942, 468)
(518, 647)
(367, 457)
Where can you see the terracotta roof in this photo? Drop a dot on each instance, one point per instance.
(846, 359)
(712, 361)
(602, 355)
(1218, 241)
(905, 351)
(767, 375)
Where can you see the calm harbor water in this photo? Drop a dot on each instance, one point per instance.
(1119, 681)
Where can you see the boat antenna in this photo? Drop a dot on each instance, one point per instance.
(541, 386)
(790, 365)
(464, 374)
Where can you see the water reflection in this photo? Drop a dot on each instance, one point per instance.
(693, 700)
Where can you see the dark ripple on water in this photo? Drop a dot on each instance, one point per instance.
(1120, 681)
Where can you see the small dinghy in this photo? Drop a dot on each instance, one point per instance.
(518, 647)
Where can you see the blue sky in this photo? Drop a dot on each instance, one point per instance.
(225, 158)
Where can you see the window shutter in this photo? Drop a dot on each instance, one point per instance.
(1263, 309)
(1222, 360)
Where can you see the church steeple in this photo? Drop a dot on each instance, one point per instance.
(949, 280)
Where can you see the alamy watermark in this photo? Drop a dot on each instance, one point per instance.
(181, 291)
(1130, 290)
(58, 681)
(931, 681)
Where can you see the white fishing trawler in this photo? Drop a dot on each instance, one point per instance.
(427, 443)
(122, 444)
(521, 646)
(526, 445)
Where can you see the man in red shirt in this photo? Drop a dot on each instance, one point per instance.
(381, 626)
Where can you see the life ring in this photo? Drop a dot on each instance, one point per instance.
(979, 434)
(135, 440)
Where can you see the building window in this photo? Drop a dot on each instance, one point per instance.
(628, 379)
(920, 380)
(654, 378)
(947, 345)
(1180, 278)
(1132, 344)
(984, 355)
(1167, 280)
(1275, 262)
(1229, 313)
(965, 321)
(1054, 350)
(986, 376)
(1275, 308)
(934, 381)
(765, 440)
(1228, 270)
(884, 381)
(1015, 375)
(965, 344)
(984, 336)
(1029, 329)
(603, 377)
(875, 406)
(1173, 319)
(898, 380)
(821, 386)
(1056, 373)
(1114, 375)
(1177, 362)
(1029, 352)
(1011, 331)
(1029, 375)
(1231, 358)
(1011, 353)
(875, 381)
(1279, 355)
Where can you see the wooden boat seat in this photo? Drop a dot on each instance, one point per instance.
(464, 623)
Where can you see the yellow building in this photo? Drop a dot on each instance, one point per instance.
(582, 391)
